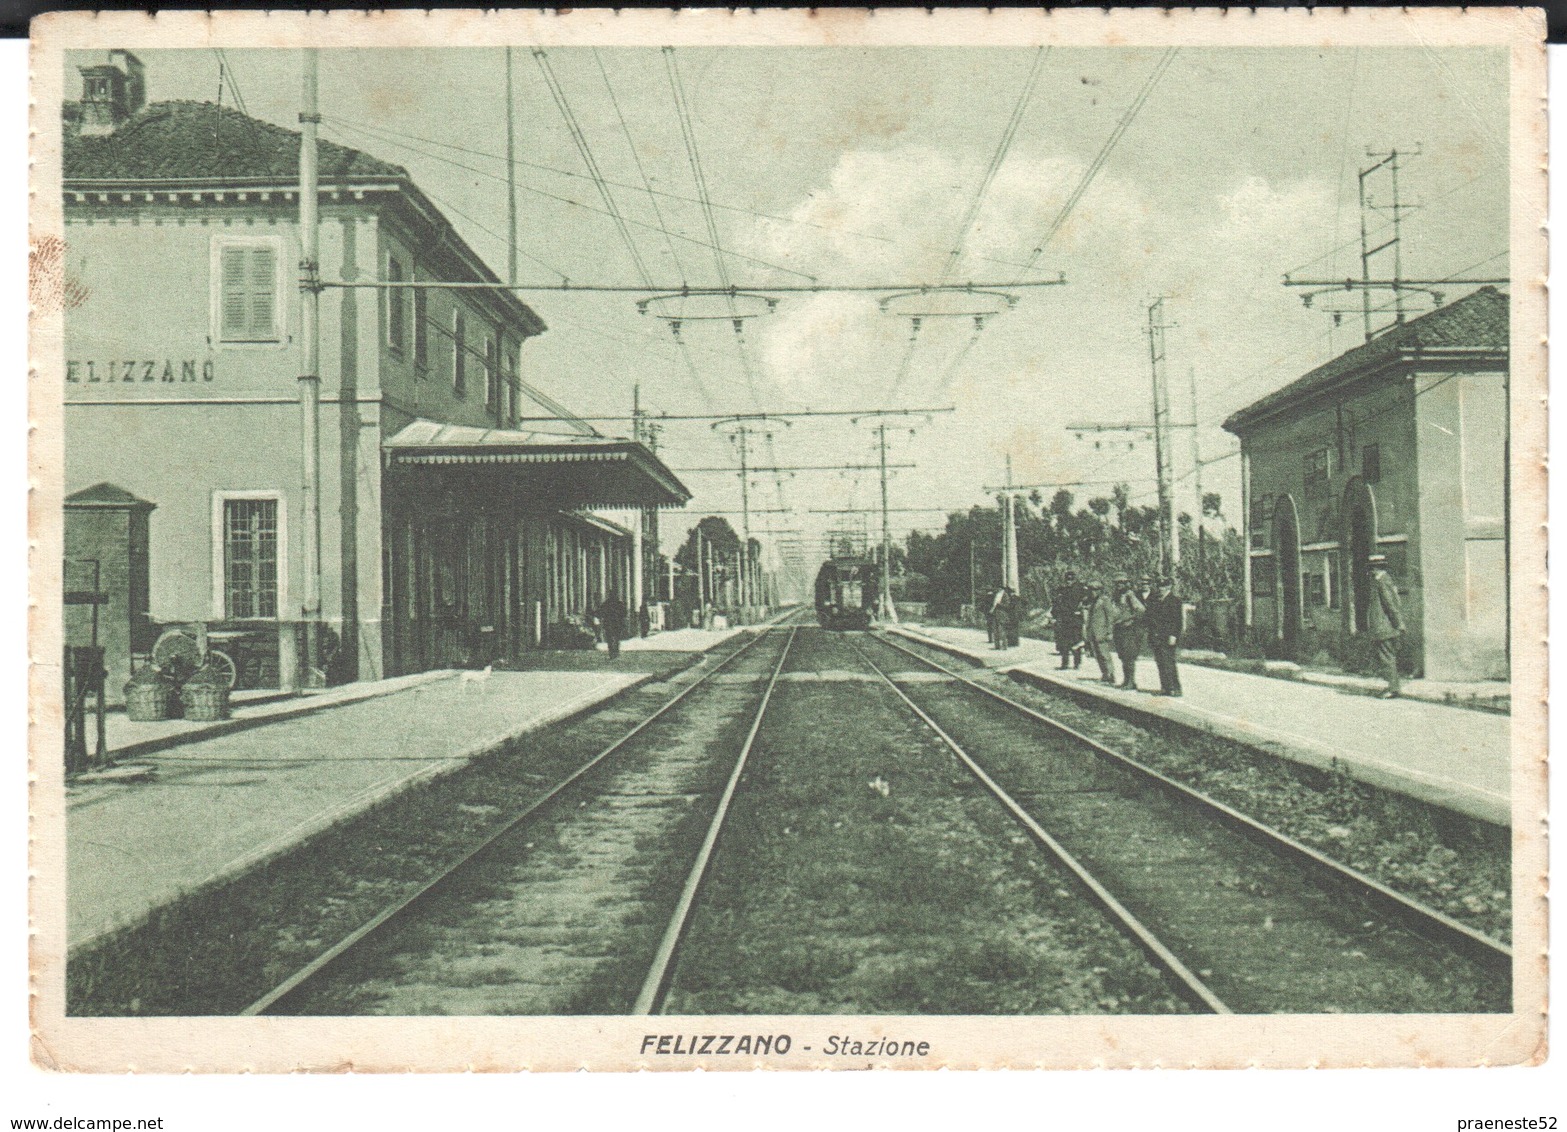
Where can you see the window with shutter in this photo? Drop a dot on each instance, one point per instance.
(394, 307)
(492, 397)
(514, 391)
(247, 300)
(459, 354)
(421, 330)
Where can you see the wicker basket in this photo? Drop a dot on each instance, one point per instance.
(205, 702)
(149, 701)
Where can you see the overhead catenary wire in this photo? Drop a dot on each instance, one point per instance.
(647, 184)
(970, 215)
(584, 150)
(580, 140)
(694, 159)
(1128, 116)
(997, 160)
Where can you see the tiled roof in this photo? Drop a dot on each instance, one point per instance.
(1478, 322)
(199, 141)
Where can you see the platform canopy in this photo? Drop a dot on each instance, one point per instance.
(545, 471)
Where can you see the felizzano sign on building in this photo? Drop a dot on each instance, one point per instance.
(92, 372)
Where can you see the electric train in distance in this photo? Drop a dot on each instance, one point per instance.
(846, 585)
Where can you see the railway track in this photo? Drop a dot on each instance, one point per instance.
(1240, 917)
(363, 966)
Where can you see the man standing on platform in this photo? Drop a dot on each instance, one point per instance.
(1386, 623)
(1067, 612)
(1127, 626)
(1166, 621)
(1008, 613)
(612, 619)
(1101, 630)
(997, 636)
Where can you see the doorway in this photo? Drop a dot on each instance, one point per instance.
(1360, 541)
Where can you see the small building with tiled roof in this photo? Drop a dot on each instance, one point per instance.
(181, 374)
(1397, 447)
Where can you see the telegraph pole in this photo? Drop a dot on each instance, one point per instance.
(1170, 543)
(310, 362)
(639, 528)
(1191, 375)
(511, 179)
(1009, 563)
(1389, 161)
(888, 610)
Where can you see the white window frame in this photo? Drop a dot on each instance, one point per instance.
(220, 547)
(279, 337)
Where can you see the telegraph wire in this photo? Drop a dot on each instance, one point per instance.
(392, 139)
(664, 193)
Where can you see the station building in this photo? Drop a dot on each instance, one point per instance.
(449, 534)
(1397, 447)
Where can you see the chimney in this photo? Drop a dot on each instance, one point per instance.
(114, 88)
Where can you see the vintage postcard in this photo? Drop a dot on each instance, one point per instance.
(789, 539)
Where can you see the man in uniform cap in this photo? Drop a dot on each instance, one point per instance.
(1067, 612)
(1385, 623)
(1166, 620)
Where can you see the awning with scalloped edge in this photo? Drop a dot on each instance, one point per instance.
(547, 470)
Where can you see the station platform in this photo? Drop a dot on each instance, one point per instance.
(676, 640)
(1451, 757)
(201, 806)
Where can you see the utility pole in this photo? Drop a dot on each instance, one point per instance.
(639, 528)
(1009, 563)
(310, 362)
(511, 179)
(739, 429)
(1389, 162)
(888, 610)
(1170, 542)
(701, 576)
(1191, 376)
(973, 590)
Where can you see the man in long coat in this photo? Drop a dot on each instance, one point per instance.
(1127, 623)
(1008, 613)
(612, 620)
(1385, 623)
(1101, 630)
(1166, 620)
(1066, 610)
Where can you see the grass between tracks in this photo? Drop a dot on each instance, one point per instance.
(863, 871)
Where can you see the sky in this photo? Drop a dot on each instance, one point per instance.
(915, 166)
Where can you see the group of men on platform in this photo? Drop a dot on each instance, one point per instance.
(1119, 622)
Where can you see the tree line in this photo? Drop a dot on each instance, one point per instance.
(1100, 539)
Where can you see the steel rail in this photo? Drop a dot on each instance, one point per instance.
(1418, 917)
(300, 977)
(1190, 987)
(650, 997)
